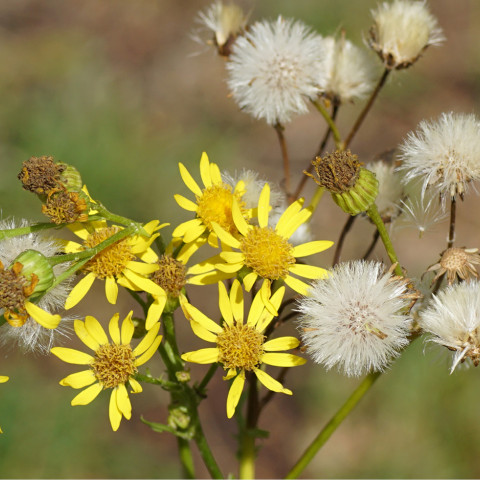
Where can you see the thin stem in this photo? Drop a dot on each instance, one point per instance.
(186, 458)
(205, 452)
(14, 232)
(366, 108)
(286, 162)
(112, 217)
(208, 376)
(331, 123)
(373, 243)
(332, 425)
(451, 231)
(319, 152)
(372, 212)
(346, 228)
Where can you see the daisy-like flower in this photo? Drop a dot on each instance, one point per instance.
(456, 262)
(112, 365)
(24, 274)
(355, 319)
(275, 68)
(241, 346)
(453, 319)
(445, 153)
(225, 22)
(267, 252)
(213, 204)
(349, 71)
(3, 379)
(402, 30)
(117, 264)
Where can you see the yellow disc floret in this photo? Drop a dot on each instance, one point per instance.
(267, 253)
(240, 346)
(171, 275)
(112, 260)
(215, 205)
(114, 365)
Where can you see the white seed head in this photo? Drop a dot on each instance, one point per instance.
(275, 68)
(453, 320)
(349, 71)
(444, 153)
(32, 336)
(402, 30)
(224, 21)
(390, 189)
(354, 320)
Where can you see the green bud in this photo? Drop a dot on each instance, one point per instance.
(34, 262)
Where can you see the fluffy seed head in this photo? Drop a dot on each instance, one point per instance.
(349, 71)
(445, 153)
(453, 320)
(275, 68)
(355, 319)
(401, 31)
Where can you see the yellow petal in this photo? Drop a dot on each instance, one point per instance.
(297, 285)
(95, 329)
(267, 316)
(225, 237)
(188, 250)
(229, 267)
(185, 203)
(111, 290)
(189, 181)
(113, 411)
(88, 395)
(79, 379)
(308, 271)
(209, 278)
(155, 311)
(256, 310)
(128, 328)
(114, 330)
(282, 359)
(205, 170)
(45, 319)
(302, 217)
(201, 332)
(235, 393)
(310, 248)
(142, 268)
(236, 301)
(270, 382)
(84, 336)
(264, 206)
(193, 233)
(249, 280)
(265, 294)
(205, 266)
(230, 374)
(193, 313)
(287, 215)
(281, 343)
(238, 219)
(143, 283)
(72, 247)
(3, 378)
(70, 355)
(136, 387)
(232, 257)
(215, 174)
(203, 356)
(79, 230)
(224, 304)
(185, 226)
(123, 402)
(147, 340)
(149, 352)
(79, 290)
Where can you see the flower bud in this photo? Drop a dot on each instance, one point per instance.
(35, 265)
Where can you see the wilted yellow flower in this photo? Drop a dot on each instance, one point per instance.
(241, 347)
(112, 365)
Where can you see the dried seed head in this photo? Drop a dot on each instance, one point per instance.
(456, 262)
(65, 207)
(40, 174)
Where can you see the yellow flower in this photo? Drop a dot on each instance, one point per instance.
(241, 347)
(213, 204)
(116, 265)
(3, 379)
(267, 252)
(112, 365)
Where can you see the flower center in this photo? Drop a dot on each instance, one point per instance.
(171, 275)
(454, 259)
(359, 318)
(113, 365)
(112, 260)
(240, 346)
(14, 290)
(65, 207)
(267, 253)
(215, 205)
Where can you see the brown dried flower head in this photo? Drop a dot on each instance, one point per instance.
(456, 262)
(65, 207)
(40, 175)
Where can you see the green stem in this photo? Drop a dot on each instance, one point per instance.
(112, 217)
(208, 376)
(14, 232)
(372, 212)
(205, 451)
(332, 425)
(186, 458)
(333, 127)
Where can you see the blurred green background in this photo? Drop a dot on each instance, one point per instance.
(119, 89)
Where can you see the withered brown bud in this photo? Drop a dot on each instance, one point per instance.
(40, 174)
